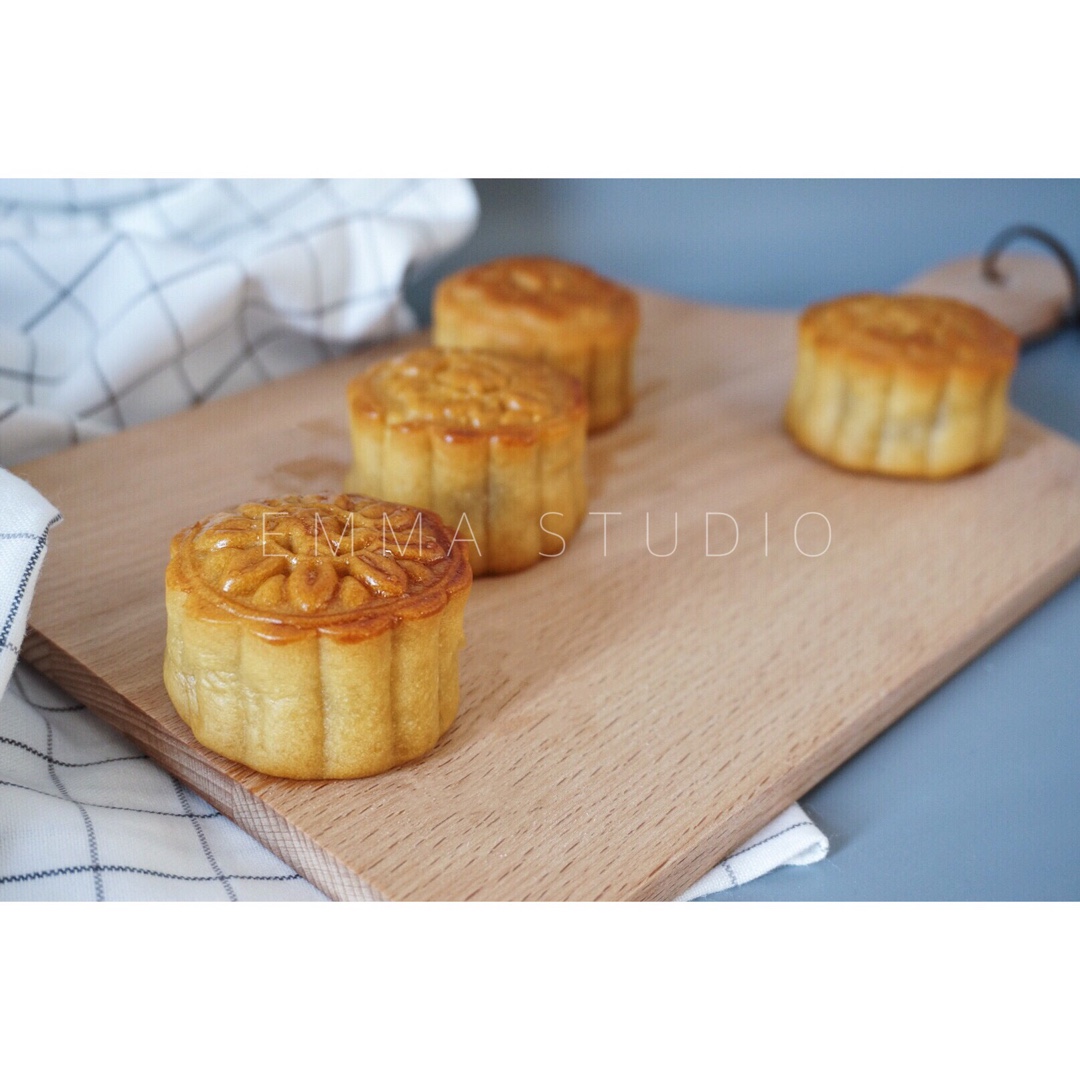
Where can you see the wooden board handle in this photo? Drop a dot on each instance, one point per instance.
(1032, 295)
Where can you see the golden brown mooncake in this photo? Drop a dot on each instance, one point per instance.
(545, 309)
(913, 386)
(314, 637)
(495, 445)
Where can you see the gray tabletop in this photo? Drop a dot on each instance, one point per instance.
(975, 793)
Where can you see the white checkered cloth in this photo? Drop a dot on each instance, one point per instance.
(123, 301)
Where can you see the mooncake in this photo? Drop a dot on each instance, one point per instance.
(316, 637)
(495, 445)
(541, 308)
(912, 386)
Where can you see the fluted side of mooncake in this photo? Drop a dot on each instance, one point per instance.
(313, 638)
(903, 386)
(494, 445)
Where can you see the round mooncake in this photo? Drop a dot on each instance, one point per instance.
(315, 637)
(495, 445)
(913, 386)
(545, 309)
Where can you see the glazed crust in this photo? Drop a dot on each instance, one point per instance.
(911, 386)
(316, 638)
(495, 445)
(545, 309)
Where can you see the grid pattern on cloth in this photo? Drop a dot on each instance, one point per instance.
(790, 839)
(124, 301)
(25, 520)
(84, 815)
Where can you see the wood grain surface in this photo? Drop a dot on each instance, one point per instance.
(733, 621)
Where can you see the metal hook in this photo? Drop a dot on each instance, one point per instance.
(1071, 315)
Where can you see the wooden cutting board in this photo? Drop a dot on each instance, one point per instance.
(733, 621)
